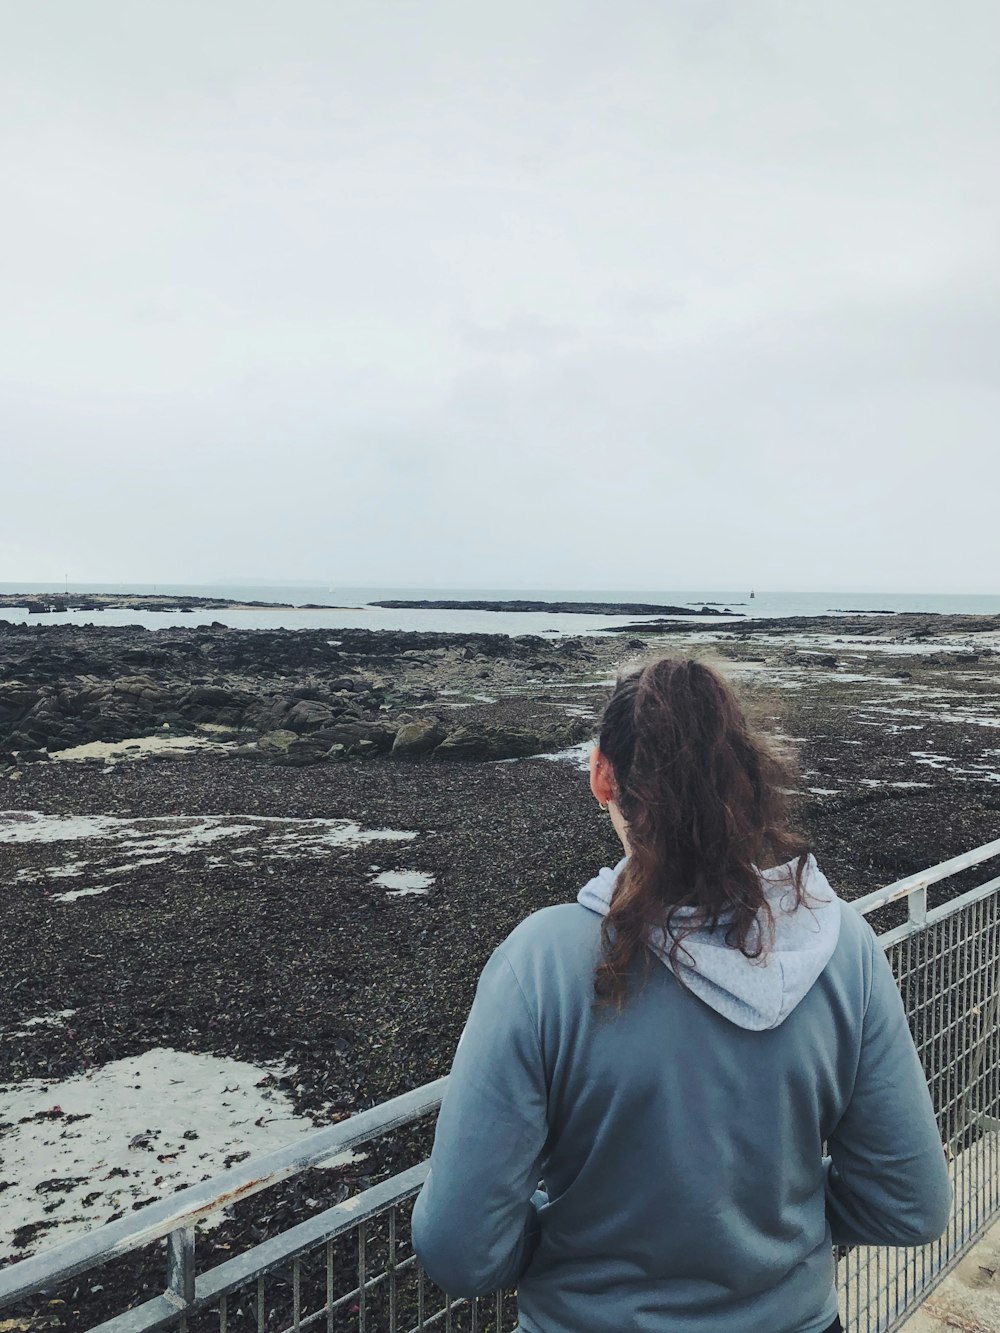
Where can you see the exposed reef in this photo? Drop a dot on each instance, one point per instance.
(561, 608)
(43, 603)
(284, 696)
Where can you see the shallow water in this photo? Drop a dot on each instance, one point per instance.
(353, 607)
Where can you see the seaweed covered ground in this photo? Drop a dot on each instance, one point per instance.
(208, 947)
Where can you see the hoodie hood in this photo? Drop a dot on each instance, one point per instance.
(756, 994)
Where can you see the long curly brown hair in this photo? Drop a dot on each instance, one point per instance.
(705, 798)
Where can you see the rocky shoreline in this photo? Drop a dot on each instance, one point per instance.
(287, 697)
(567, 608)
(322, 914)
(904, 627)
(43, 603)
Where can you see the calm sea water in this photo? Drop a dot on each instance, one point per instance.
(351, 607)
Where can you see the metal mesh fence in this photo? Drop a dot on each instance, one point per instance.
(949, 976)
(368, 1280)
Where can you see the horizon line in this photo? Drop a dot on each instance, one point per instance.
(698, 593)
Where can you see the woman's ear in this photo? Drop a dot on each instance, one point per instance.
(601, 777)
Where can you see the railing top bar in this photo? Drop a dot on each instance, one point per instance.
(190, 1205)
(306, 1235)
(912, 883)
(159, 1312)
(938, 914)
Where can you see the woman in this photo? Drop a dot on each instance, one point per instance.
(671, 1052)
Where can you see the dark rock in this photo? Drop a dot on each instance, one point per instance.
(465, 743)
(416, 738)
(514, 743)
(476, 742)
(353, 732)
(216, 695)
(309, 715)
(570, 608)
(132, 687)
(303, 750)
(276, 742)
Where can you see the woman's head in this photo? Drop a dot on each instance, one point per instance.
(701, 801)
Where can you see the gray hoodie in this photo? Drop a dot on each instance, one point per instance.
(754, 994)
(681, 1142)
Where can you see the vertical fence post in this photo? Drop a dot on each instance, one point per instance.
(180, 1266)
(916, 907)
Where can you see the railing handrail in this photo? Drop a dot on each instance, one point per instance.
(193, 1203)
(905, 888)
(189, 1205)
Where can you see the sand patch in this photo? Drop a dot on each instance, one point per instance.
(119, 846)
(138, 747)
(79, 1151)
(400, 882)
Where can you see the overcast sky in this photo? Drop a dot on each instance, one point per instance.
(647, 294)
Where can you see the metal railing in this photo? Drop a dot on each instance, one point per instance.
(352, 1267)
(946, 959)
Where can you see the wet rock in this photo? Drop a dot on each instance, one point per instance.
(416, 738)
(352, 733)
(210, 694)
(465, 743)
(147, 656)
(309, 715)
(31, 756)
(472, 742)
(276, 742)
(140, 688)
(303, 750)
(514, 743)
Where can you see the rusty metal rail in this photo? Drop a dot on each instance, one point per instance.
(351, 1267)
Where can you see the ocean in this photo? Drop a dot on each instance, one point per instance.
(351, 606)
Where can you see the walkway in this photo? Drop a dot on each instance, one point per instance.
(968, 1300)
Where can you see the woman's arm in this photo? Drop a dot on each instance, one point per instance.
(475, 1222)
(887, 1182)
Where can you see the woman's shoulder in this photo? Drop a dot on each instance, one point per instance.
(552, 932)
(856, 933)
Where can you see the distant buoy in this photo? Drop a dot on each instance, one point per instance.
(752, 595)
